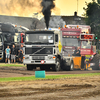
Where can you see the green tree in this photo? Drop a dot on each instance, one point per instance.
(98, 1)
(93, 16)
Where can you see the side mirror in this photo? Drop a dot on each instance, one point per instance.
(56, 38)
(17, 39)
(23, 38)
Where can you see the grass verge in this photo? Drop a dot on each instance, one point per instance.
(10, 65)
(30, 78)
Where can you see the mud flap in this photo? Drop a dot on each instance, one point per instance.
(82, 62)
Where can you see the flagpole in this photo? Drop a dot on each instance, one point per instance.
(77, 6)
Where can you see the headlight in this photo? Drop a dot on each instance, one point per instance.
(26, 57)
(50, 57)
(92, 57)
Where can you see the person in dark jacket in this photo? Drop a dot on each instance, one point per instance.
(13, 54)
(77, 52)
(21, 53)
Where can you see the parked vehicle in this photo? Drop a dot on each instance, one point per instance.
(10, 34)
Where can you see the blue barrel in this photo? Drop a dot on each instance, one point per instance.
(39, 74)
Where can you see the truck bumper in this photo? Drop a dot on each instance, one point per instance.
(39, 62)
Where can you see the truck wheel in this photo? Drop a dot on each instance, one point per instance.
(57, 66)
(29, 67)
(72, 66)
(96, 61)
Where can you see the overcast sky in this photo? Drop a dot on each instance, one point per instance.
(27, 8)
(68, 7)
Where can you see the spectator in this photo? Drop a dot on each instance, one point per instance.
(77, 52)
(7, 52)
(13, 54)
(21, 53)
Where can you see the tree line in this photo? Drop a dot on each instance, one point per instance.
(92, 14)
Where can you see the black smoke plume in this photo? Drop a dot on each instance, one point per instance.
(47, 5)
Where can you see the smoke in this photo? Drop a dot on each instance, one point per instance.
(56, 21)
(47, 5)
(56, 11)
(25, 8)
(20, 7)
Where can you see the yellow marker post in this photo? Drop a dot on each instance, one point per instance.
(59, 46)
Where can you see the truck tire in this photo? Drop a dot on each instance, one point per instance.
(29, 67)
(96, 61)
(72, 66)
(57, 67)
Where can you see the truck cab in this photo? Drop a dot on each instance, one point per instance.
(41, 49)
(70, 40)
(76, 36)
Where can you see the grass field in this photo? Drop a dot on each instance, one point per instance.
(48, 77)
(11, 64)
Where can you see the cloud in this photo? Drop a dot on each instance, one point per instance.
(24, 8)
(20, 7)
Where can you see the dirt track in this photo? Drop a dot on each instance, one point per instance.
(58, 89)
(22, 71)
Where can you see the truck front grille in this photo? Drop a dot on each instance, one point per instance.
(39, 50)
(38, 58)
(28, 50)
(68, 52)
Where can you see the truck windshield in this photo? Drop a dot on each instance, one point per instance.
(71, 41)
(86, 44)
(0, 38)
(40, 38)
